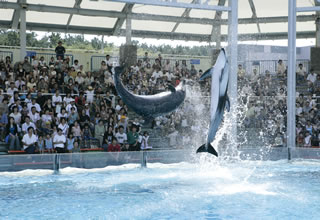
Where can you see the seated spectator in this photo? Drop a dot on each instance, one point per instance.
(59, 141)
(16, 115)
(73, 116)
(301, 72)
(121, 136)
(307, 140)
(29, 141)
(3, 123)
(99, 131)
(281, 68)
(34, 104)
(114, 146)
(87, 135)
(145, 141)
(48, 143)
(63, 126)
(76, 65)
(41, 144)
(34, 116)
(12, 135)
(312, 77)
(133, 138)
(27, 125)
(70, 143)
(76, 130)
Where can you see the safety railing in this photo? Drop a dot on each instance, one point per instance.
(96, 62)
(47, 56)
(4, 54)
(271, 65)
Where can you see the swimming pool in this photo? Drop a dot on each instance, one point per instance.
(206, 190)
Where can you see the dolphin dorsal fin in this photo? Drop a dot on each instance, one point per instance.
(171, 88)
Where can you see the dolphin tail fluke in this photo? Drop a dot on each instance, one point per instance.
(209, 149)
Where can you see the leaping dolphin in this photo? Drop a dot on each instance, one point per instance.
(150, 106)
(219, 98)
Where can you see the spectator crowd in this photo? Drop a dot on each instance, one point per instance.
(266, 109)
(59, 107)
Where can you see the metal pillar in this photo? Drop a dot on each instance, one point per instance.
(318, 32)
(291, 99)
(128, 29)
(233, 60)
(22, 31)
(102, 44)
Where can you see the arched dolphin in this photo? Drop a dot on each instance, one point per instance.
(150, 106)
(219, 98)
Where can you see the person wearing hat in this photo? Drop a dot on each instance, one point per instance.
(90, 94)
(60, 50)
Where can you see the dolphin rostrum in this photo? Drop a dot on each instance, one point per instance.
(150, 106)
(219, 99)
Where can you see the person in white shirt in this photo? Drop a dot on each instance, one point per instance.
(79, 78)
(67, 99)
(71, 105)
(34, 104)
(90, 94)
(46, 117)
(29, 141)
(121, 136)
(281, 68)
(312, 76)
(301, 72)
(76, 65)
(27, 124)
(56, 99)
(64, 126)
(62, 114)
(59, 141)
(34, 116)
(11, 89)
(157, 74)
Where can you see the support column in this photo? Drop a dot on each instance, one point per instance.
(318, 31)
(291, 99)
(128, 52)
(128, 29)
(22, 31)
(233, 61)
(102, 44)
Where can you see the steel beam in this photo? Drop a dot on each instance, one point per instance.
(216, 28)
(254, 13)
(76, 5)
(154, 34)
(308, 9)
(126, 9)
(174, 4)
(15, 19)
(152, 17)
(291, 99)
(184, 14)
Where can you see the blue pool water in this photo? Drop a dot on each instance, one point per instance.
(212, 190)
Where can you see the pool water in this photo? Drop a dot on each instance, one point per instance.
(206, 190)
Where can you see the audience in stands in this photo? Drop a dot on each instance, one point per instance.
(69, 109)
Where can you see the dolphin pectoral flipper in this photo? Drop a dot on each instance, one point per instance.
(208, 149)
(228, 103)
(172, 88)
(206, 74)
